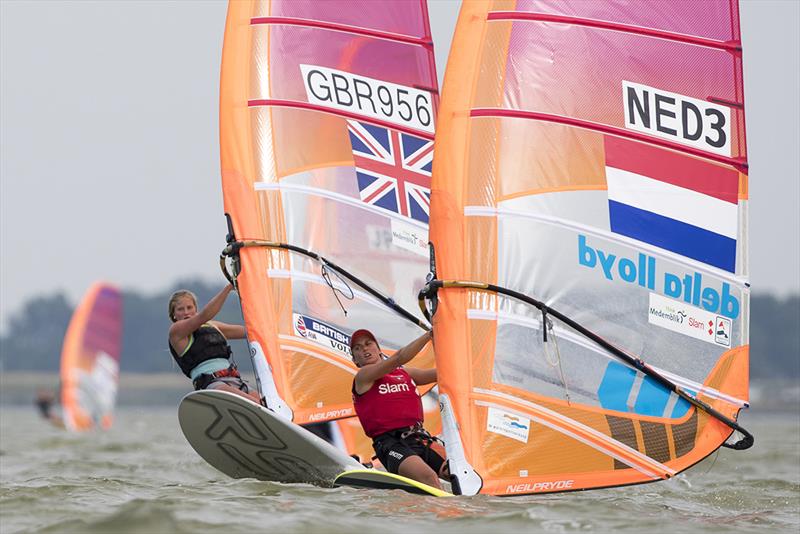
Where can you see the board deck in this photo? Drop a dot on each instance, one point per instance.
(375, 479)
(245, 440)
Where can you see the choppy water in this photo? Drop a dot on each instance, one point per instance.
(142, 476)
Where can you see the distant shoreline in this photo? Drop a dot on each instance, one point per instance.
(136, 389)
(126, 380)
(19, 388)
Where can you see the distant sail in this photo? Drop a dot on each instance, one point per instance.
(590, 159)
(90, 359)
(327, 114)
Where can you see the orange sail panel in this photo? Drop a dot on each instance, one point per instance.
(327, 114)
(590, 155)
(90, 359)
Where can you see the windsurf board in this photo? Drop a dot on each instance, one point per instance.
(246, 440)
(376, 479)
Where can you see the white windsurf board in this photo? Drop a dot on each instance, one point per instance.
(245, 440)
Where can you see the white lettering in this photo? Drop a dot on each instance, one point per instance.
(330, 414)
(329, 332)
(321, 334)
(392, 388)
(539, 486)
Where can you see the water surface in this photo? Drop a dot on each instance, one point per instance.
(142, 476)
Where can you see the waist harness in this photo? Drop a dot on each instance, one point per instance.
(202, 381)
(413, 432)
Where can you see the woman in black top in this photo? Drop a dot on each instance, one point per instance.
(200, 345)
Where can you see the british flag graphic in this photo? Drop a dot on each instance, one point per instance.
(393, 169)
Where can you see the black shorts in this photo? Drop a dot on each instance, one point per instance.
(391, 449)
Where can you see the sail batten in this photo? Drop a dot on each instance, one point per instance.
(483, 211)
(357, 30)
(575, 430)
(312, 107)
(732, 45)
(738, 163)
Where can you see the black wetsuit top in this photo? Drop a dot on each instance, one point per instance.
(205, 343)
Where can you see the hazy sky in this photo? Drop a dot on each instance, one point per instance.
(109, 156)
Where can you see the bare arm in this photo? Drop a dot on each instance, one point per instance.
(370, 373)
(422, 376)
(181, 329)
(230, 331)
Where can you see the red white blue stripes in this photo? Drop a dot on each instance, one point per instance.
(680, 203)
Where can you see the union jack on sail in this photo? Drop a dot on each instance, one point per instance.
(393, 169)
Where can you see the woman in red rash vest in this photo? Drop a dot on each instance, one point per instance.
(390, 409)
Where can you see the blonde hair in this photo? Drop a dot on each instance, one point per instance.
(173, 300)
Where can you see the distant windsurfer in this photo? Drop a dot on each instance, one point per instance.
(44, 401)
(390, 409)
(200, 345)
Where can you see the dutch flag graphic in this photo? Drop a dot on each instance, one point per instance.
(673, 201)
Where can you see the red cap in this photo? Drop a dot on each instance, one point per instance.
(361, 333)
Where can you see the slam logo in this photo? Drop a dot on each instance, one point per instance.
(385, 389)
(690, 321)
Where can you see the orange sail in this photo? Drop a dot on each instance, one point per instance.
(327, 114)
(589, 224)
(90, 359)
